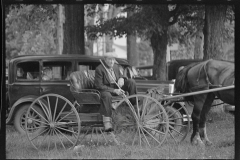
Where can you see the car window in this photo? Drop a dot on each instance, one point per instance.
(145, 72)
(27, 71)
(55, 71)
(85, 66)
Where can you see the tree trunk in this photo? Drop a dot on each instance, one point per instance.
(213, 31)
(159, 46)
(61, 20)
(73, 42)
(198, 46)
(132, 54)
(89, 43)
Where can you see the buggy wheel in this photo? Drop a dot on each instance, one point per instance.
(59, 123)
(143, 122)
(179, 121)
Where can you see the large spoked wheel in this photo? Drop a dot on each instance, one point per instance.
(143, 122)
(55, 123)
(179, 121)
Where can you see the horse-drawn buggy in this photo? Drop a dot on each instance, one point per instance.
(52, 121)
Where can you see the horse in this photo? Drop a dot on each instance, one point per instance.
(203, 76)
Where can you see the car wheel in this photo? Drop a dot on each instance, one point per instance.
(20, 119)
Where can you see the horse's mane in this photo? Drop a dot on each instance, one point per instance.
(181, 84)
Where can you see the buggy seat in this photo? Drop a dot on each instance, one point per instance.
(83, 88)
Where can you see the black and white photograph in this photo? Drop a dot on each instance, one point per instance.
(117, 79)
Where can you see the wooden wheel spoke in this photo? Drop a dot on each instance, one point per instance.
(151, 135)
(177, 110)
(44, 108)
(103, 135)
(38, 114)
(175, 124)
(97, 134)
(61, 111)
(172, 137)
(55, 109)
(65, 129)
(172, 119)
(45, 136)
(153, 116)
(55, 133)
(92, 133)
(145, 137)
(49, 140)
(175, 130)
(59, 137)
(154, 130)
(137, 107)
(65, 116)
(146, 112)
(35, 127)
(139, 133)
(85, 135)
(39, 134)
(64, 135)
(143, 109)
(132, 109)
(36, 120)
(49, 107)
(135, 135)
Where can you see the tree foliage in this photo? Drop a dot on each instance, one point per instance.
(150, 22)
(30, 29)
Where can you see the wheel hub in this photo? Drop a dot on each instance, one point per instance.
(29, 121)
(52, 125)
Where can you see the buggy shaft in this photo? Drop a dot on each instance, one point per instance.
(199, 92)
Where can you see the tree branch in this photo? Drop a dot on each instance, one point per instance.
(174, 14)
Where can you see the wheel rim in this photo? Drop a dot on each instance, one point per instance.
(179, 125)
(59, 123)
(23, 120)
(143, 123)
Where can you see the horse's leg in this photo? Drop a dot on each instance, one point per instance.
(198, 104)
(202, 124)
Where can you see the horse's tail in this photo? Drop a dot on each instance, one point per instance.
(181, 84)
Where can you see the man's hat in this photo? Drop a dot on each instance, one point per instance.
(110, 54)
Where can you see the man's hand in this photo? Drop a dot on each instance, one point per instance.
(118, 91)
(120, 82)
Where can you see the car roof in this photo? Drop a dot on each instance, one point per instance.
(184, 61)
(145, 67)
(66, 56)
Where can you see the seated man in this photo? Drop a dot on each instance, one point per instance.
(107, 85)
(47, 74)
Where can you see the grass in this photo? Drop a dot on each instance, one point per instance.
(220, 129)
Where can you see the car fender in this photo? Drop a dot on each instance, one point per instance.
(17, 104)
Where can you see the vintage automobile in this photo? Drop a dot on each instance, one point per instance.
(26, 83)
(171, 68)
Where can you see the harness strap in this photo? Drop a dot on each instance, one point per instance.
(205, 71)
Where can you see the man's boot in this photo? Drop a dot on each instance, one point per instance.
(107, 122)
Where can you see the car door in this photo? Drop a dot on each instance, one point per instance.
(25, 80)
(58, 83)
